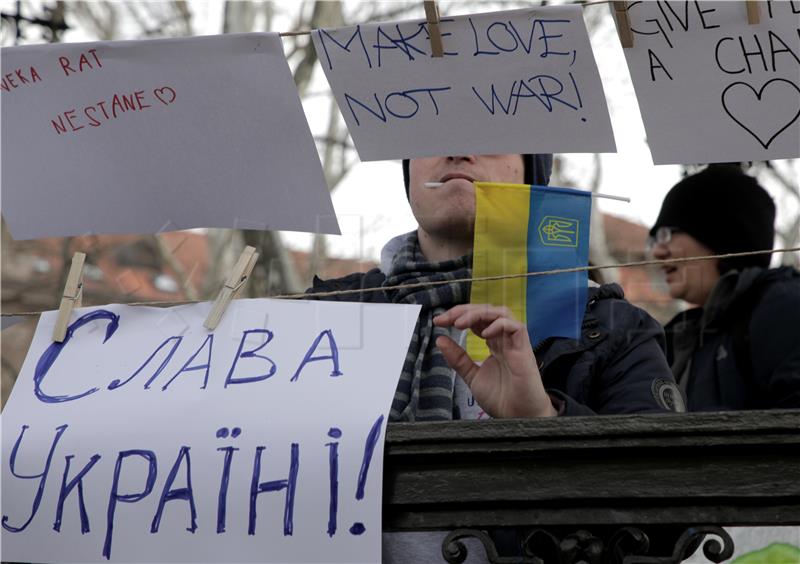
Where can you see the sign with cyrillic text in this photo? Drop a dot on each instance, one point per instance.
(144, 437)
(157, 135)
(713, 88)
(520, 81)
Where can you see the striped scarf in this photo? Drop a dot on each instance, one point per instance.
(425, 389)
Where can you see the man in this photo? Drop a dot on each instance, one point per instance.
(616, 367)
(739, 347)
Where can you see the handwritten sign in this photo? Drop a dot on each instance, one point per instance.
(520, 81)
(713, 88)
(146, 438)
(157, 135)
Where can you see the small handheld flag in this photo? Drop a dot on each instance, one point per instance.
(519, 229)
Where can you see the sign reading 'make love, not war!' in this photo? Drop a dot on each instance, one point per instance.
(713, 88)
(146, 438)
(520, 81)
(157, 135)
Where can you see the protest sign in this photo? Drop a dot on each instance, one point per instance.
(713, 88)
(146, 438)
(157, 135)
(521, 81)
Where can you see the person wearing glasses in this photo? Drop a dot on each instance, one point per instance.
(616, 366)
(739, 346)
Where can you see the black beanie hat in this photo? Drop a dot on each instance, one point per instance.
(726, 210)
(537, 169)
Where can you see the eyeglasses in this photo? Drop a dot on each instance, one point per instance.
(663, 236)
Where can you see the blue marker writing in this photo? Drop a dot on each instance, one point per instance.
(333, 357)
(369, 449)
(290, 485)
(251, 354)
(66, 488)
(185, 494)
(115, 497)
(206, 366)
(41, 477)
(51, 354)
(333, 462)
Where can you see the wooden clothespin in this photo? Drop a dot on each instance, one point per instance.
(753, 12)
(71, 298)
(623, 24)
(236, 281)
(432, 17)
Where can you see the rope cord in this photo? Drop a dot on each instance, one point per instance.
(309, 31)
(477, 279)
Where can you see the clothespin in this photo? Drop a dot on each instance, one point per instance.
(432, 17)
(753, 12)
(71, 298)
(233, 286)
(623, 24)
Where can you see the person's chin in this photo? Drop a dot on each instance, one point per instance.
(460, 209)
(454, 227)
(677, 290)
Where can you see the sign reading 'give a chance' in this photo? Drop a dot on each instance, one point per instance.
(713, 88)
(157, 135)
(520, 81)
(143, 437)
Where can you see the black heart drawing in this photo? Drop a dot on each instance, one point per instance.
(759, 95)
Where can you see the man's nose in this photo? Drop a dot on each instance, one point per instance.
(463, 158)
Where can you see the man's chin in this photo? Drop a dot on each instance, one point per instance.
(454, 229)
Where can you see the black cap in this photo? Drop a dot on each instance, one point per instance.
(726, 210)
(537, 169)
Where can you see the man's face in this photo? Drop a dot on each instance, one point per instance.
(690, 281)
(448, 211)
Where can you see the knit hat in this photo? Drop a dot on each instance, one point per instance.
(726, 210)
(537, 170)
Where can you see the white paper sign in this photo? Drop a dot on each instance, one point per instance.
(713, 88)
(521, 81)
(157, 135)
(146, 438)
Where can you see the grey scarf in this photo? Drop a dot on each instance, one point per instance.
(425, 389)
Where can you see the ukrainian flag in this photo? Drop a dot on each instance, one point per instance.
(519, 229)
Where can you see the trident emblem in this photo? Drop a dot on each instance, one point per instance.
(558, 231)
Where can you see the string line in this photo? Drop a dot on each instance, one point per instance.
(306, 295)
(309, 31)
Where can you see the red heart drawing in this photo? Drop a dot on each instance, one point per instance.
(165, 95)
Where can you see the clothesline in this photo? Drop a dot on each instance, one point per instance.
(592, 268)
(308, 31)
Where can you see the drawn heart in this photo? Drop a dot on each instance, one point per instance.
(165, 95)
(756, 121)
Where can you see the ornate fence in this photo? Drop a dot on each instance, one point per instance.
(632, 489)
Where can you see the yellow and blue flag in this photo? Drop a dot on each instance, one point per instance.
(519, 229)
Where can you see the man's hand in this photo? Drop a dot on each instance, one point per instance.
(508, 383)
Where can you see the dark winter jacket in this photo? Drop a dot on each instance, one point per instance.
(742, 350)
(618, 366)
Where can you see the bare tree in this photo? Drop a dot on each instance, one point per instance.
(784, 175)
(101, 19)
(275, 271)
